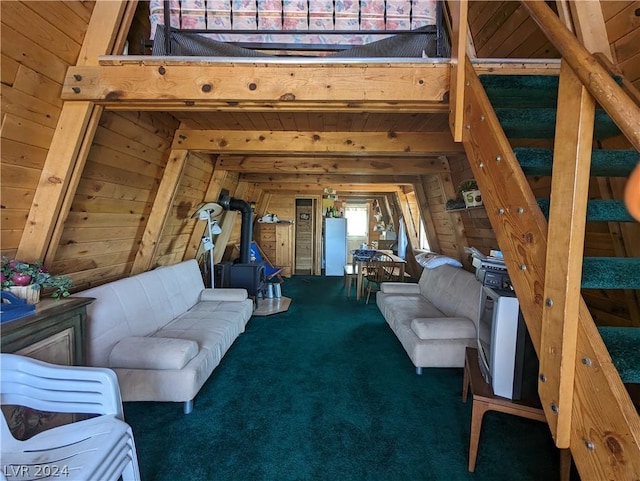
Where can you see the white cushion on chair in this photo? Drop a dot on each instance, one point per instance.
(350, 270)
(152, 353)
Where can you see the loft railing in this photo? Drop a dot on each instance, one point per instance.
(304, 30)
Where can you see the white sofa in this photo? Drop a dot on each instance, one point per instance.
(435, 319)
(162, 332)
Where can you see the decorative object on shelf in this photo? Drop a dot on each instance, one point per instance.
(26, 280)
(470, 193)
(455, 204)
(329, 193)
(269, 219)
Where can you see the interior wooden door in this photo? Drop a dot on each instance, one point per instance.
(304, 245)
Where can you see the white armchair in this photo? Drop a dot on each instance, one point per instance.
(100, 447)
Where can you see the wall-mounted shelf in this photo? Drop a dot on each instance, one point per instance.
(461, 209)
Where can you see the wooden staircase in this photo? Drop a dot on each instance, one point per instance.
(597, 272)
(585, 401)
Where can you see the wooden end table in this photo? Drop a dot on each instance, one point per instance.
(484, 400)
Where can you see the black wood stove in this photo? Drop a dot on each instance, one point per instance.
(242, 273)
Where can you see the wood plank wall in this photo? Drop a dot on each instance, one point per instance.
(180, 225)
(504, 30)
(622, 21)
(476, 225)
(35, 55)
(442, 221)
(114, 198)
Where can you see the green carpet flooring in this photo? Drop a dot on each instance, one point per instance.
(326, 392)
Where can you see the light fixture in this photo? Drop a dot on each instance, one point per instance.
(213, 210)
(208, 211)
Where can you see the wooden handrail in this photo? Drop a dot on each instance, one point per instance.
(611, 97)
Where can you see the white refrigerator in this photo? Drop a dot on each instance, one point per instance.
(335, 246)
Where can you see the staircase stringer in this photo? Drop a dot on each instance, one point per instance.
(605, 427)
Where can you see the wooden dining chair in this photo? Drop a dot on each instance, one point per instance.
(378, 270)
(350, 277)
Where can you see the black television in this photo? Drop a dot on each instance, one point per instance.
(506, 355)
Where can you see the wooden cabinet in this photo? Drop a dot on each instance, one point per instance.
(53, 333)
(276, 241)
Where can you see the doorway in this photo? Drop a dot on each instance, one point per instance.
(305, 236)
(357, 214)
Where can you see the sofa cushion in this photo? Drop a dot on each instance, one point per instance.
(443, 328)
(399, 288)
(138, 306)
(152, 353)
(221, 294)
(405, 307)
(454, 291)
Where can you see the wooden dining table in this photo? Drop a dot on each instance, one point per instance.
(359, 262)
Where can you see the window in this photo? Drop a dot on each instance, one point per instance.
(357, 220)
(424, 242)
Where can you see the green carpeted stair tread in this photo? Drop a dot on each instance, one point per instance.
(611, 273)
(623, 344)
(604, 163)
(539, 123)
(526, 106)
(521, 90)
(598, 210)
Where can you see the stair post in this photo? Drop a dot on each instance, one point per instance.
(563, 267)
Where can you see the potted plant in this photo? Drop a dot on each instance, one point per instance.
(470, 194)
(26, 280)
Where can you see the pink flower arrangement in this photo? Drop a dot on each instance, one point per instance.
(19, 273)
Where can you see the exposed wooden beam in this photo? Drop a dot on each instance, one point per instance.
(178, 107)
(508, 67)
(91, 115)
(329, 179)
(228, 223)
(563, 267)
(459, 11)
(60, 173)
(589, 26)
(425, 209)
(160, 211)
(333, 165)
(222, 240)
(406, 144)
(411, 221)
(275, 187)
(158, 82)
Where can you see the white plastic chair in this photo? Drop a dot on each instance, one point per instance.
(99, 448)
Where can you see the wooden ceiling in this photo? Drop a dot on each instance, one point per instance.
(315, 121)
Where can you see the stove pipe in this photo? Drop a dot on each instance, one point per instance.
(246, 228)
